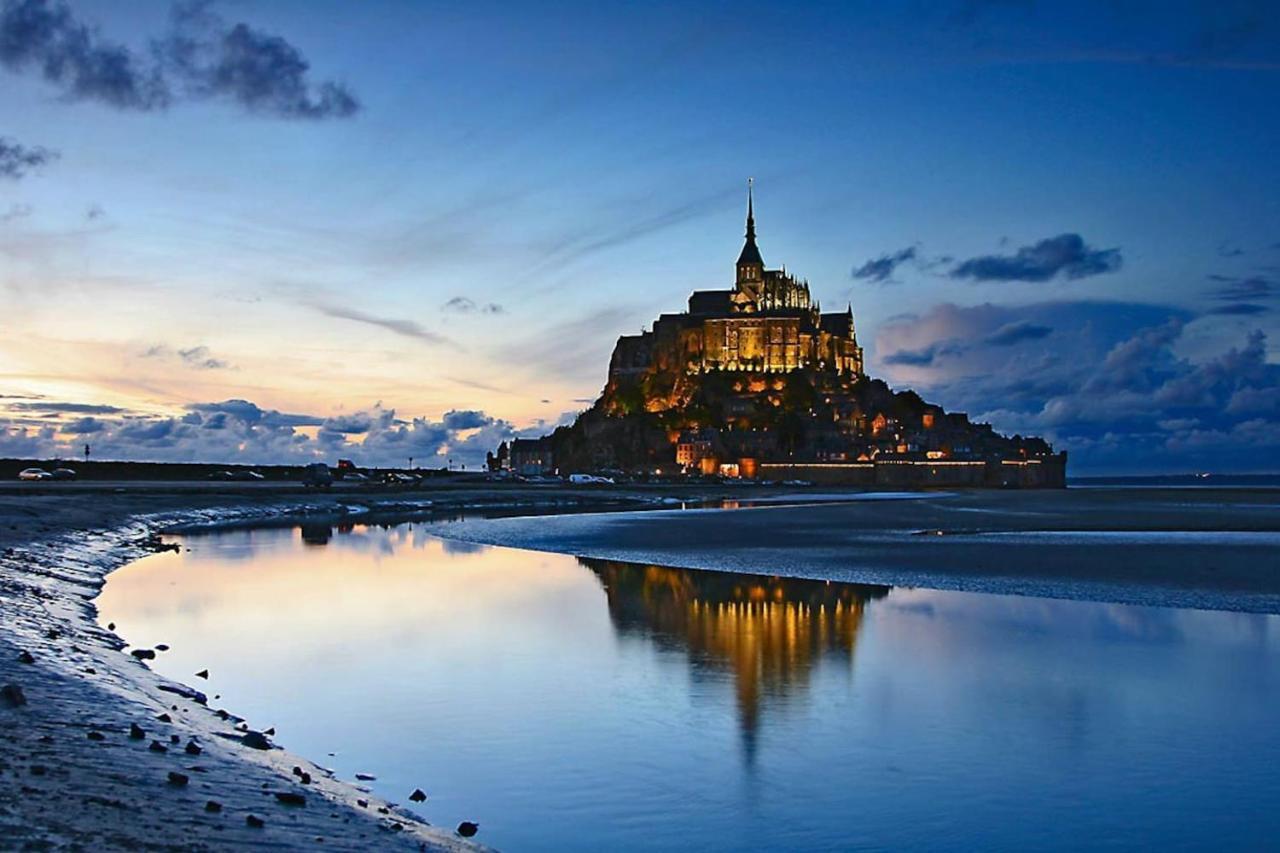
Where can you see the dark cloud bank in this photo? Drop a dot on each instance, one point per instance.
(1103, 380)
(240, 431)
(201, 57)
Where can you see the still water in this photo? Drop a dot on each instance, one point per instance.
(574, 704)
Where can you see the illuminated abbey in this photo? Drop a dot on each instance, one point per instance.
(756, 381)
(767, 323)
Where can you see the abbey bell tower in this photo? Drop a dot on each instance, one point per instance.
(750, 267)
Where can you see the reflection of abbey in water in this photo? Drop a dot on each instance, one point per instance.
(768, 631)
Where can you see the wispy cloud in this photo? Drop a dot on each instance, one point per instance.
(18, 160)
(406, 328)
(466, 305)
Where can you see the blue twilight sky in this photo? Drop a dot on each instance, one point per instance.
(257, 231)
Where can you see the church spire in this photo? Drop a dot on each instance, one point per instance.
(750, 264)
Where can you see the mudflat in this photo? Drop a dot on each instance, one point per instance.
(1196, 547)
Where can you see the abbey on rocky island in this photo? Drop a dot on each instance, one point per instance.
(767, 323)
(757, 382)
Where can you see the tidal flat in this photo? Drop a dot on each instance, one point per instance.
(637, 694)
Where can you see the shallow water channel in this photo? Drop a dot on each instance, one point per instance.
(576, 704)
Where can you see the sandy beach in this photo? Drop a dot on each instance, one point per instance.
(74, 776)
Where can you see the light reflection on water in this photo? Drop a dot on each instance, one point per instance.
(586, 704)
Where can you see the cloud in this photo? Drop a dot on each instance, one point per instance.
(882, 268)
(912, 357)
(1240, 309)
(201, 57)
(1244, 289)
(240, 431)
(44, 37)
(466, 419)
(65, 408)
(1015, 333)
(1066, 255)
(466, 305)
(196, 357)
(261, 72)
(407, 328)
(16, 159)
(1109, 383)
(636, 225)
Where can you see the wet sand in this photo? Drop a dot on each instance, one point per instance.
(1201, 548)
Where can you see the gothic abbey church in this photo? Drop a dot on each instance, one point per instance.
(766, 324)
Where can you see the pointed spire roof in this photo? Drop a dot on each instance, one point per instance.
(750, 253)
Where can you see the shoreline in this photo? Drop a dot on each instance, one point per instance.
(62, 788)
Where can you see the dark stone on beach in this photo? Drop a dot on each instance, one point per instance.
(24, 656)
(193, 748)
(143, 654)
(467, 829)
(383, 810)
(213, 806)
(256, 740)
(297, 771)
(243, 727)
(291, 798)
(136, 731)
(13, 696)
(366, 777)
(222, 714)
(52, 633)
(270, 731)
(305, 778)
(254, 821)
(186, 693)
(90, 671)
(364, 804)
(157, 746)
(165, 718)
(418, 796)
(174, 739)
(204, 673)
(176, 778)
(162, 647)
(96, 736)
(111, 626)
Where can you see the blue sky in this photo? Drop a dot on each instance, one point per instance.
(457, 208)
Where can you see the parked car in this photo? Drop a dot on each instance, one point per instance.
(34, 474)
(589, 480)
(64, 474)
